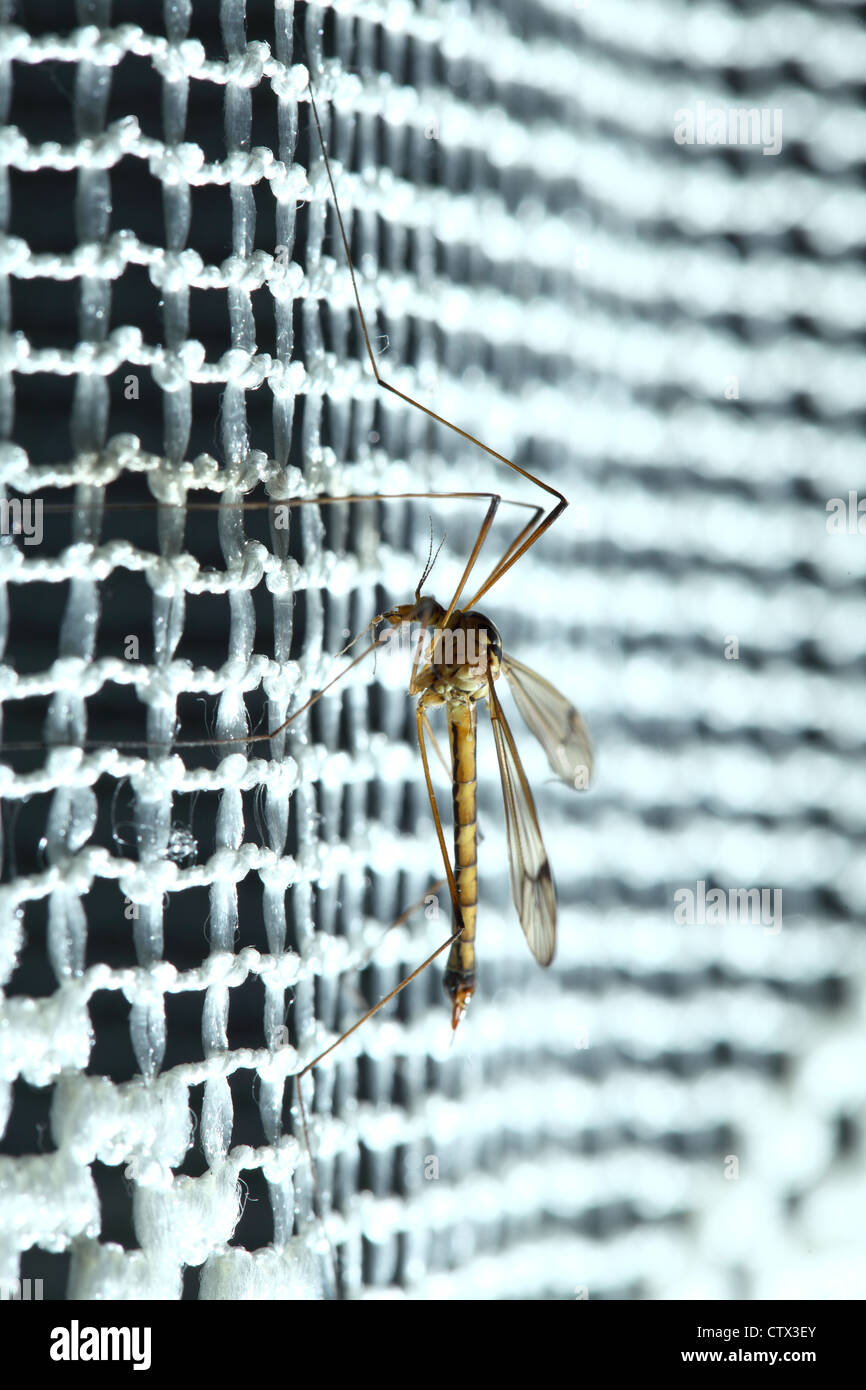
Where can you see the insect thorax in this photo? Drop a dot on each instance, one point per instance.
(456, 658)
(465, 655)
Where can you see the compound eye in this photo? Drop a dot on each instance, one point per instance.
(494, 642)
(487, 631)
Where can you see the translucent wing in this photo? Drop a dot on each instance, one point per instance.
(555, 723)
(531, 881)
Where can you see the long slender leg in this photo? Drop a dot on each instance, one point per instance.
(421, 718)
(561, 502)
(316, 695)
(428, 729)
(437, 820)
(326, 1052)
(499, 569)
(454, 937)
(492, 499)
(273, 503)
(398, 989)
(470, 563)
(402, 919)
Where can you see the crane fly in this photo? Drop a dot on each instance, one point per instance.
(458, 660)
(464, 659)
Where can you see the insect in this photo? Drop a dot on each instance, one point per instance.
(458, 662)
(464, 660)
(458, 659)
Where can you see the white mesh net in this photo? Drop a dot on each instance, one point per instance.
(672, 334)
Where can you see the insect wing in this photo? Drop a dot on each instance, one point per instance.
(531, 880)
(555, 723)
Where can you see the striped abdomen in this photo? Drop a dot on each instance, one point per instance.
(460, 971)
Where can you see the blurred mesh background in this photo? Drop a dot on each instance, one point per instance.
(671, 333)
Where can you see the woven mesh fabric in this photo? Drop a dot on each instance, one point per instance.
(672, 334)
